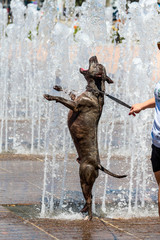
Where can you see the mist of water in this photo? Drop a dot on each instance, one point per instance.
(37, 51)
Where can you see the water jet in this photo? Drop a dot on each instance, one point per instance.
(35, 49)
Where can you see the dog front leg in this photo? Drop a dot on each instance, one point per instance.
(59, 89)
(67, 103)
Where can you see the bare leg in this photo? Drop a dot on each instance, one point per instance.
(157, 175)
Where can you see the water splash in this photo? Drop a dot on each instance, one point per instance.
(33, 58)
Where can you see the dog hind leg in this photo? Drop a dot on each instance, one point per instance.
(87, 192)
(88, 175)
(84, 209)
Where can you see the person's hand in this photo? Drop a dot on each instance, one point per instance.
(136, 108)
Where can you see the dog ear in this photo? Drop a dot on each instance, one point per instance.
(105, 77)
(109, 80)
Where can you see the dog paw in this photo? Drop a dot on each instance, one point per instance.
(57, 88)
(87, 218)
(72, 96)
(48, 97)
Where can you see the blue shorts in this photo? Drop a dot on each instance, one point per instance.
(155, 158)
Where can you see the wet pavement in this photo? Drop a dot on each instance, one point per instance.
(21, 182)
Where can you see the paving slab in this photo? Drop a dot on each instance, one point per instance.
(14, 228)
(21, 183)
(21, 178)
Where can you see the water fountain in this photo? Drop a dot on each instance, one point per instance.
(38, 51)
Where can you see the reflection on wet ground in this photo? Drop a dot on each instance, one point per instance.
(21, 181)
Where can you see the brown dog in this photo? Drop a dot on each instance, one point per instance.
(85, 112)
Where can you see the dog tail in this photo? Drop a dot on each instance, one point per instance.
(100, 167)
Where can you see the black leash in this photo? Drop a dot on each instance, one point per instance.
(111, 97)
(118, 101)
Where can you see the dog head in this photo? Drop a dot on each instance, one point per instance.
(96, 72)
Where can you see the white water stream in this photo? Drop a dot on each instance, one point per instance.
(38, 51)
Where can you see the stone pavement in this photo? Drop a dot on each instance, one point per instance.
(21, 180)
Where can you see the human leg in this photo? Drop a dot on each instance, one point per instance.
(155, 159)
(157, 176)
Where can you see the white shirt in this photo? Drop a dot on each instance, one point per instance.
(156, 124)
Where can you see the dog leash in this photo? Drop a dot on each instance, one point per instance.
(118, 101)
(111, 97)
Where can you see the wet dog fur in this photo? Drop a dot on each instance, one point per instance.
(83, 117)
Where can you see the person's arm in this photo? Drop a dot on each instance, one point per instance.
(136, 108)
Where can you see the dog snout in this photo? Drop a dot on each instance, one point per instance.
(93, 60)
